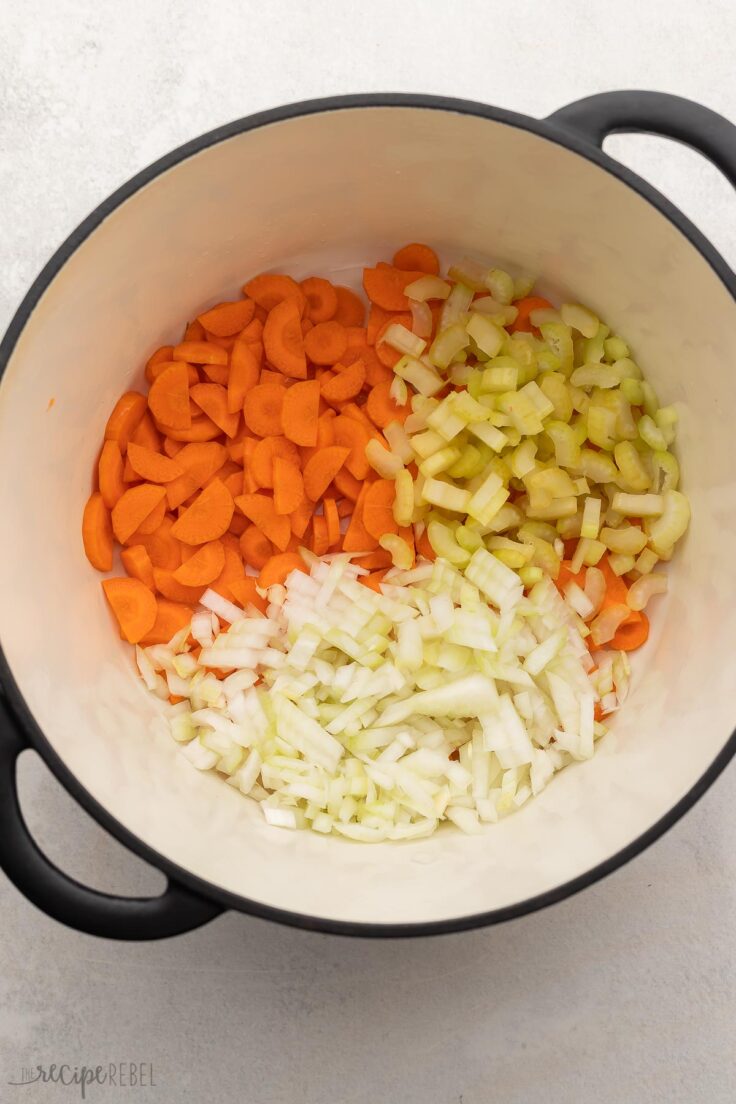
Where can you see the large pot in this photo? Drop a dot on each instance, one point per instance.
(324, 187)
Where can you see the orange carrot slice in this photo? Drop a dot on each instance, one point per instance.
(261, 511)
(168, 397)
(270, 289)
(244, 369)
(384, 286)
(134, 607)
(325, 343)
(127, 413)
(255, 547)
(161, 356)
(212, 398)
(133, 507)
(204, 566)
(352, 434)
(201, 429)
(300, 412)
(321, 299)
(279, 567)
(110, 473)
(228, 318)
(200, 352)
(417, 258)
(288, 485)
(146, 434)
(322, 468)
(163, 549)
(171, 618)
(137, 563)
(332, 518)
(378, 515)
(283, 341)
(207, 518)
(345, 482)
(263, 456)
(382, 409)
(245, 594)
(153, 466)
(149, 524)
(345, 385)
(97, 533)
(350, 310)
(320, 541)
(169, 587)
(262, 409)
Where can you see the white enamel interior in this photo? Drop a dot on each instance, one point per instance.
(326, 193)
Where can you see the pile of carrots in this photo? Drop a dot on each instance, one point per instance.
(249, 444)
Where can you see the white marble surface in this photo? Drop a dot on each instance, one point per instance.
(623, 994)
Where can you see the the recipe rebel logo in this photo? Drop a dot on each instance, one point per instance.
(122, 1075)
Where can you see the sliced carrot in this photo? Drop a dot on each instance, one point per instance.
(146, 434)
(161, 356)
(169, 587)
(332, 518)
(384, 286)
(351, 434)
(377, 319)
(283, 340)
(301, 518)
(300, 412)
(288, 485)
(325, 436)
(227, 319)
(204, 566)
(253, 332)
(262, 409)
(321, 299)
(320, 539)
(375, 560)
(325, 343)
(168, 397)
(234, 482)
(406, 532)
(632, 634)
(306, 326)
(322, 468)
(133, 507)
(345, 385)
(201, 429)
(200, 352)
(223, 343)
(255, 547)
(270, 289)
(216, 373)
(137, 563)
(382, 409)
(424, 547)
(525, 306)
(97, 533)
(374, 579)
(163, 549)
(126, 414)
(153, 466)
(171, 618)
(134, 607)
(150, 523)
(212, 398)
(344, 508)
(278, 567)
(418, 258)
(358, 414)
(193, 331)
(199, 462)
(357, 538)
(232, 572)
(350, 310)
(378, 515)
(171, 447)
(264, 456)
(110, 473)
(158, 370)
(207, 518)
(244, 369)
(260, 510)
(269, 376)
(346, 483)
(245, 594)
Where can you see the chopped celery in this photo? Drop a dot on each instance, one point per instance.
(579, 318)
(488, 499)
(428, 287)
(421, 376)
(559, 338)
(627, 541)
(638, 505)
(386, 463)
(500, 285)
(404, 500)
(651, 434)
(500, 375)
(631, 466)
(427, 442)
(449, 342)
(471, 462)
(601, 427)
(594, 375)
(444, 544)
(456, 306)
(403, 340)
(667, 529)
(555, 388)
(631, 390)
(591, 518)
(446, 495)
(567, 449)
(438, 461)
(486, 334)
(615, 348)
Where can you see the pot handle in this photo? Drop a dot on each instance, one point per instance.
(704, 130)
(177, 910)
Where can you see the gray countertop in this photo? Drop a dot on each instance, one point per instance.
(625, 993)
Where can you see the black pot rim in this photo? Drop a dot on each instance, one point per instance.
(542, 128)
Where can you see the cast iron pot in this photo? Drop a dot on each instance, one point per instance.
(326, 186)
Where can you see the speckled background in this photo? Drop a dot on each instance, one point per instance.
(623, 994)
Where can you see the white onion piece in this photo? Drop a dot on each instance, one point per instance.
(595, 587)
